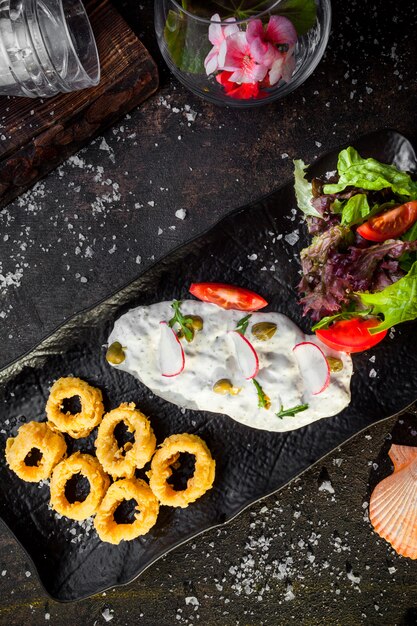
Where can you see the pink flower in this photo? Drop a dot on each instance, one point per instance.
(241, 62)
(264, 41)
(283, 67)
(218, 34)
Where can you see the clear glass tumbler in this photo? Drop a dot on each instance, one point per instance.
(46, 47)
(242, 53)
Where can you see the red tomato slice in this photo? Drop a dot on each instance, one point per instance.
(351, 335)
(391, 224)
(228, 296)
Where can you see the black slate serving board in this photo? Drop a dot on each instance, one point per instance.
(72, 563)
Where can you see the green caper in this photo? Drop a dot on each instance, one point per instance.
(115, 353)
(225, 387)
(335, 365)
(264, 330)
(197, 322)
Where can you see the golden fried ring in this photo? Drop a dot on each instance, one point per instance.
(80, 424)
(89, 467)
(137, 454)
(41, 437)
(147, 511)
(161, 470)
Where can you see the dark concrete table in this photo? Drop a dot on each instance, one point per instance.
(305, 555)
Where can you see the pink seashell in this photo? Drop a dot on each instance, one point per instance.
(393, 504)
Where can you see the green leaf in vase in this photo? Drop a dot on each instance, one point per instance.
(302, 13)
(187, 43)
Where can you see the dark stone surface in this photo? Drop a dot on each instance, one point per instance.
(93, 224)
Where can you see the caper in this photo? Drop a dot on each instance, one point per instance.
(264, 330)
(190, 337)
(115, 353)
(335, 365)
(225, 387)
(197, 322)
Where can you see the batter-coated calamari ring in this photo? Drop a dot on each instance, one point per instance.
(147, 511)
(89, 467)
(137, 454)
(161, 470)
(38, 436)
(80, 424)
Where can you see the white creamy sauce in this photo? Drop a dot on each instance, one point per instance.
(211, 357)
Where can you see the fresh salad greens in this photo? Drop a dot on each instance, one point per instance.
(362, 260)
(396, 303)
(369, 174)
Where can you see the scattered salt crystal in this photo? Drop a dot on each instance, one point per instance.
(138, 259)
(192, 600)
(292, 238)
(252, 257)
(289, 594)
(4, 572)
(354, 579)
(372, 358)
(181, 214)
(108, 614)
(326, 485)
(392, 570)
(47, 616)
(28, 574)
(372, 373)
(151, 203)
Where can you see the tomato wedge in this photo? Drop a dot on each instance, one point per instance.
(391, 224)
(351, 335)
(228, 296)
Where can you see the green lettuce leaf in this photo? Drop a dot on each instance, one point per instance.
(355, 210)
(397, 302)
(408, 258)
(370, 174)
(303, 190)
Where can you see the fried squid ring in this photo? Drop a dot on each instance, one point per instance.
(161, 469)
(122, 462)
(38, 436)
(89, 467)
(147, 510)
(80, 424)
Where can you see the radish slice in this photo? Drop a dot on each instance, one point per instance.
(246, 355)
(313, 366)
(171, 353)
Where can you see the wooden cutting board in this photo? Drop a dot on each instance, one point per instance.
(36, 135)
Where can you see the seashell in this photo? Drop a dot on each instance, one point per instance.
(393, 504)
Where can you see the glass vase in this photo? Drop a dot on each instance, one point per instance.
(242, 53)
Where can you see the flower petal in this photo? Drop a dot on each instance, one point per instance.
(254, 30)
(289, 66)
(216, 35)
(211, 61)
(237, 48)
(275, 74)
(264, 53)
(222, 54)
(280, 30)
